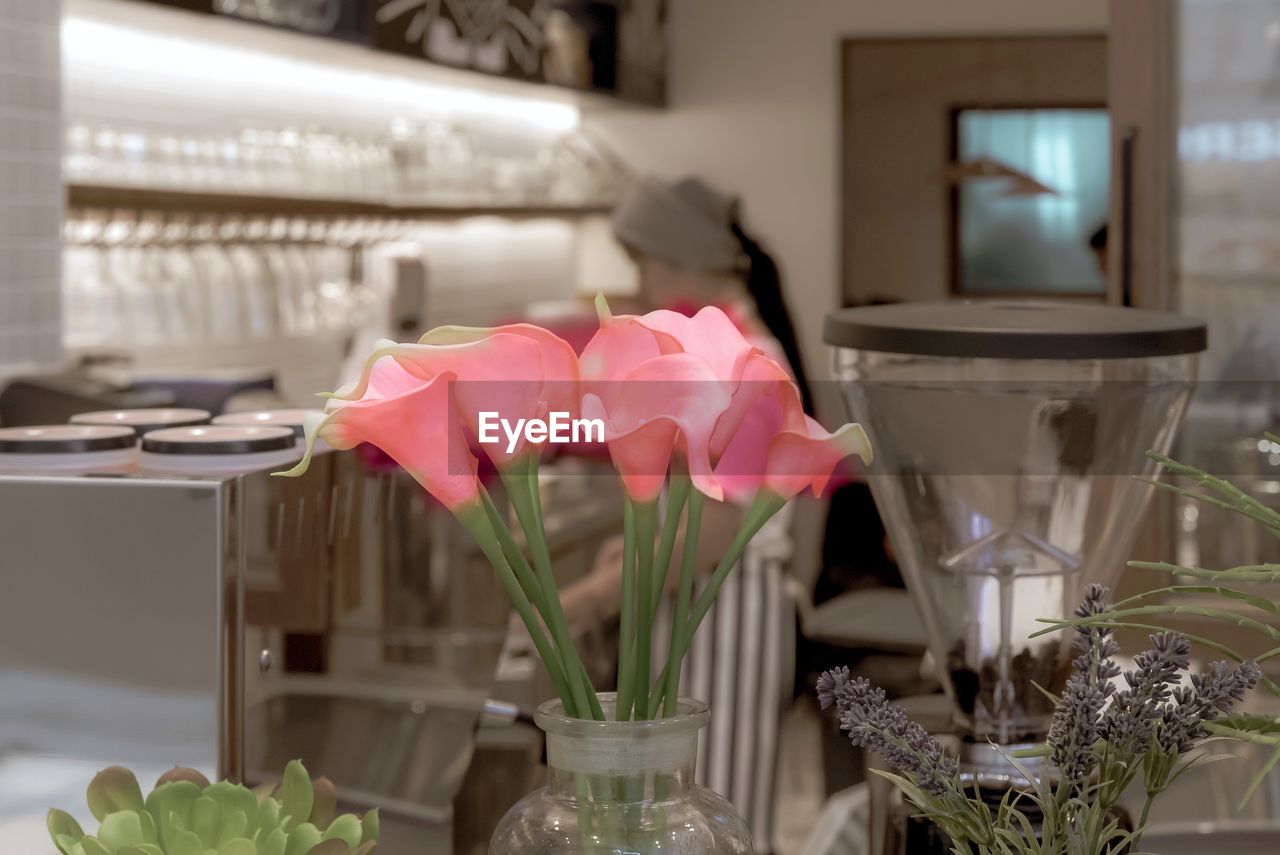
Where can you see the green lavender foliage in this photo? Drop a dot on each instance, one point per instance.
(186, 815)
(1192, 594)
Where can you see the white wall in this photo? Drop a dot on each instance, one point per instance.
(754, 108)
(30, 186)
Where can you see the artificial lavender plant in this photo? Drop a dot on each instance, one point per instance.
(1100, 740)
(1212, 597)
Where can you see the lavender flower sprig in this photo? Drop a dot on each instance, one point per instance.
(874, 723)
(1075, 728)
(1129, 722)
(1210, 694)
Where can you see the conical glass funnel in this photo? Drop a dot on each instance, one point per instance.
(1007, 438)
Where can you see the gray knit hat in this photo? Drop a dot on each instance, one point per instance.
(686, 223)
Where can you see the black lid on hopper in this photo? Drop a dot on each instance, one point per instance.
(1015, 329)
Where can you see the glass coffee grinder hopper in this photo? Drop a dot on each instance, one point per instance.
(1007, 438)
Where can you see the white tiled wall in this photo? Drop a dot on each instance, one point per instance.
(30, 185)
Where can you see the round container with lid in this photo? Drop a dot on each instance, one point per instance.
(68, 449)
(295, 420)
(144, 420)
(218, 449)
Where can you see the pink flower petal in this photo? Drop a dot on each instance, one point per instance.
(806, 458)
(414, 421)
(678, 389)
(500, 373)
(709, 334)
(641, 453)
(556, 368)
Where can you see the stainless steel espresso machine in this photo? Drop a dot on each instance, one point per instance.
(1008, 435)
(232, 621)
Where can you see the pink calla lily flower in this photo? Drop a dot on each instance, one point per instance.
(663, 402)
(765, 439)
(516, 372)
(806, 458)
(660, 382)
(709, 334)
(411, 419)
(556, 368)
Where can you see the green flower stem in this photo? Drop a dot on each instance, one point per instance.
(684, 596)
(522, 486)
(477, 522)
(533, 589)
(677, 495)
(519, 564)
(627, 615)
(646, 531)
(765, 505)
(1135, 842)
(597, 712)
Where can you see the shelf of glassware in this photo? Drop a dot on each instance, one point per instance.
(82, 195)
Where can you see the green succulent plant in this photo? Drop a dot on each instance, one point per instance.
(186, 815)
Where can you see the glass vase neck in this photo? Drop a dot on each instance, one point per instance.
(622, 761)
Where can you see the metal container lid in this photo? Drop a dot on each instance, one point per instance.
(217, 440)
(1015, 329)
(292, 419)
(145, 419)
(65, 439)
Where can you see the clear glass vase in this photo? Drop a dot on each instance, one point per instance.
(622, 788)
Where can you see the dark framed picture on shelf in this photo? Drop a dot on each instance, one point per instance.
(605, 47)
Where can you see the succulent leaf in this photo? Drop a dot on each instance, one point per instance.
(302, 839)
(62, 825)
(274, 844)
(264, 791)
(346, 828)
(235, 825)
(267, 818)
(371, 825)
(297, 794)
(238, 846)
(204, 820)
(120, 829)
(176, 825)
(324, 807)
(233, 797)
(182, 773)
(330, 847)
(92, 846)
(184, 815)
(149, 832)
(170, 807)
(185, 843)
(114, 789)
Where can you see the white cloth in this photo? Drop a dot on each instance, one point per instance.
(742, 665)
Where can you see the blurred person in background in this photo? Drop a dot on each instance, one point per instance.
(1098, 246)
(691, 251)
